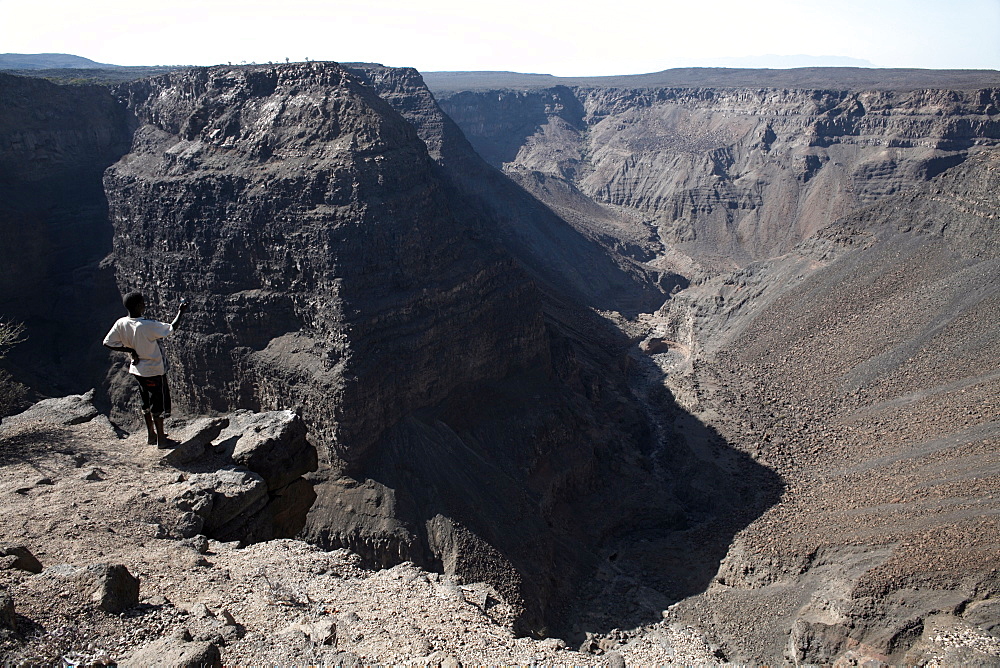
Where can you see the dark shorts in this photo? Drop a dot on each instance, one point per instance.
(155, 395)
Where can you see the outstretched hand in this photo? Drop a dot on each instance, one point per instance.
(180, 311)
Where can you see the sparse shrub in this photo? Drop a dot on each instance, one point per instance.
(11, 391)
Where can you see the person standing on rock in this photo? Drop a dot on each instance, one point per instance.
(140, 337)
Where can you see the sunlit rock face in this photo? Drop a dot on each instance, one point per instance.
(727, 175)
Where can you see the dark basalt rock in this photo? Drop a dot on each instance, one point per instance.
(563, 259)
(306, 222)
(301, 216)
(19, 556)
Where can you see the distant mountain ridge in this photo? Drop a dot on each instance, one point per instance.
(47, 61)
(814, 78)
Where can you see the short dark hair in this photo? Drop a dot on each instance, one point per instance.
(132, 301)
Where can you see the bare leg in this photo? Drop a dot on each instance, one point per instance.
(161, 436)
(150, 432)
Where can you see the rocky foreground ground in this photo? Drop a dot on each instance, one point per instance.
(97, 572)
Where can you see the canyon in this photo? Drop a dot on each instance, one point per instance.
(628, 351)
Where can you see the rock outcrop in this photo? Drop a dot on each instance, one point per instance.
(253, 489)
(68, 410)
(8, 618)
(304, 219)
(242, 474)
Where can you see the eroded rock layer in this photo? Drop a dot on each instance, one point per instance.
(728, 175)
(560, 256)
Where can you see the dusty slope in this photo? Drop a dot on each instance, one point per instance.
(82, 494)
(869, 381)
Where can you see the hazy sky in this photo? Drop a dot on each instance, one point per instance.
(561, 37)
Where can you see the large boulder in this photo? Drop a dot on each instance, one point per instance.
(176, 653)
(193, 439)
(110, 586)
(274, 446)
(228, 503)
(14, 555)
(245, 482)
(64, 411)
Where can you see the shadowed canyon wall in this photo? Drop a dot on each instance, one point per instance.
(469, 406)
(55, 143)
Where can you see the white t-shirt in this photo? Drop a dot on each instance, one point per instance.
(142, 335)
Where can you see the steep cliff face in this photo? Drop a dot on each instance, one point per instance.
(728, 176)
(301, 216)
(55, 142)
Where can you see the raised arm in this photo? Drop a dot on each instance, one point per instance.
(180, 311)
